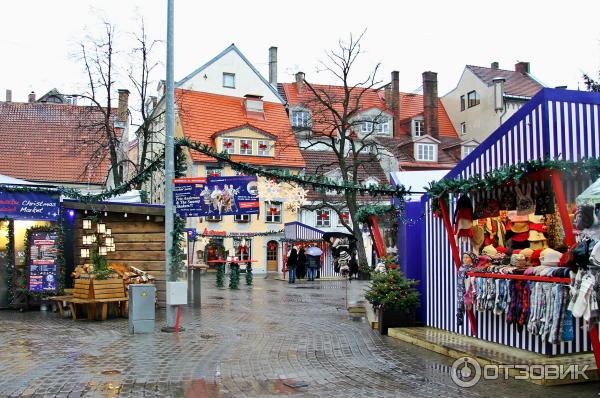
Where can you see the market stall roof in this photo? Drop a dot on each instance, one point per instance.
(415, 181)
(116, 207)
(300, 231)
(591, 195)
(7, 180)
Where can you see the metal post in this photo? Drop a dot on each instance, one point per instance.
(169, 156)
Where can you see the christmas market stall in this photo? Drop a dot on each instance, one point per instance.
(31, 260)
(509, 256)
(302, 236)
(124, 241)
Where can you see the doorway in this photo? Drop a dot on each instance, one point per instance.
(272, 258)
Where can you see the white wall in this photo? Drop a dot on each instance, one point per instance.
(246, 81)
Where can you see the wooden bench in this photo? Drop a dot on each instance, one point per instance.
(91, 293)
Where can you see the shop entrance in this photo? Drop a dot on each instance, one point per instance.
(272, 258)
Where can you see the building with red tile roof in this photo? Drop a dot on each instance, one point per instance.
(52, 143)
(484, 98)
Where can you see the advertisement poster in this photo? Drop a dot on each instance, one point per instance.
(29, 206)
(43, 275)
(216, 196)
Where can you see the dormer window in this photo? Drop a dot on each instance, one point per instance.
(426, 152)
(466, 150)
(263, 148)
(245, 147)
(228, 80)
(366, 125)
(300, 118)
(418, 127)
(383, 125)
(229, 145)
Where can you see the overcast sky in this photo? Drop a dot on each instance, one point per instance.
(561, 39)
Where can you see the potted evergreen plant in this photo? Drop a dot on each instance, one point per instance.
(395, 298)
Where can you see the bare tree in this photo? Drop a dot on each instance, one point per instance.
(338, 125)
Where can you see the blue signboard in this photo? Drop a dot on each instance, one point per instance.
(43, 275)
(216, 196)
(29, 205)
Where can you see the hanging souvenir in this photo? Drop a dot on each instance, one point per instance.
(492, 208)
(508, 201)
(525, 204)
(480, 209)
(544, 199)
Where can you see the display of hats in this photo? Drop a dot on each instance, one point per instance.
(537, 219)
(538, 245)
(514, 217)
(536, 236)
(550, 257)
(538, 227)
(517, 260)
(519, 226)
(501, 249)
(520, 237)
(535, 257)
(489, 250)
(527, 252)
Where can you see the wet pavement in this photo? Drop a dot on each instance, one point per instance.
(271, 340)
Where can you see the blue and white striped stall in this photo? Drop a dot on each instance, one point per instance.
(298, 231)
(555, 124)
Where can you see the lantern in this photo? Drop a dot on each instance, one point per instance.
(102, 250)
(101, 228)
(85, 253)
(87, 224)
(109, 241)
(88, 239)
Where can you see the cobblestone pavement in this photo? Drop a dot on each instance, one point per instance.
(254, 342)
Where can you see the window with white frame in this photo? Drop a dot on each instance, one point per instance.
(242, 248)
(463, 128)
(214, 171)
(371, 182)
(383, 125)
(228, 80)
(229, 145)
(366, 125)
(426, 152)
(467, 150)
(323, 218)
(418, 127)
(263, 148)
(300, 118)
(345, 217)
(245, 147)
(213, 218)
(273, 212)
(241, 218)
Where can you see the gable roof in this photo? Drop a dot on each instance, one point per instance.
(233, 48)
(204, 114)
(516, 83)
(52, 143)
(411, 105)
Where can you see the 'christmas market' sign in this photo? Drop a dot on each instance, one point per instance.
(43, 275)
(216, 196)
(29, 206)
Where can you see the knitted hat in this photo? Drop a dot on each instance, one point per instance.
(489, 250)
(535, 257)
(474, 257)
(517, 259)
(550, 257)
(483, 261)
(501, 249)
(527, 252)
(536, 236)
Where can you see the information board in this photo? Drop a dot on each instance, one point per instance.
(43, 273)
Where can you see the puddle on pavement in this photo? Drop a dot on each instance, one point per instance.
(209, 389)
(111, 372)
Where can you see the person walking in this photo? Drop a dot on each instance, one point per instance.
(313, 255)
(301, 267)
(292, 262)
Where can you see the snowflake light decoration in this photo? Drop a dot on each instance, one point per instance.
(295, 197)
(268, 190)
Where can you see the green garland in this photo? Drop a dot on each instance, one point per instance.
(60, 257)
(316, 182)
(249, 275)
(512, 173)
(374, 210)
(220, 275)
(10, 259)
(234, 277)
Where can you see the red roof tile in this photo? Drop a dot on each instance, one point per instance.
(411, 105)
(517, 83)
(51, 143)
(204, 114)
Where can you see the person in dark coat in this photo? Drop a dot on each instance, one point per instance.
(292, 263)
(301, 266)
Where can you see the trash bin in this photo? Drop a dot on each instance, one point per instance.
(142, 299)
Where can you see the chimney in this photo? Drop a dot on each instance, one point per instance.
(273, 66)
(8, 95)
(31, 97)
(300, 82)
(495, 65)
(395, 101)
(498, 93)
(123, 105)
(522, 67)
(430, 103)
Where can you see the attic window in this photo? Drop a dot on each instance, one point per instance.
(426, 152)
(418, 127)
(254, 103)
(228, 80)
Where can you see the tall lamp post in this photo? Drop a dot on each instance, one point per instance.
(169, 162)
